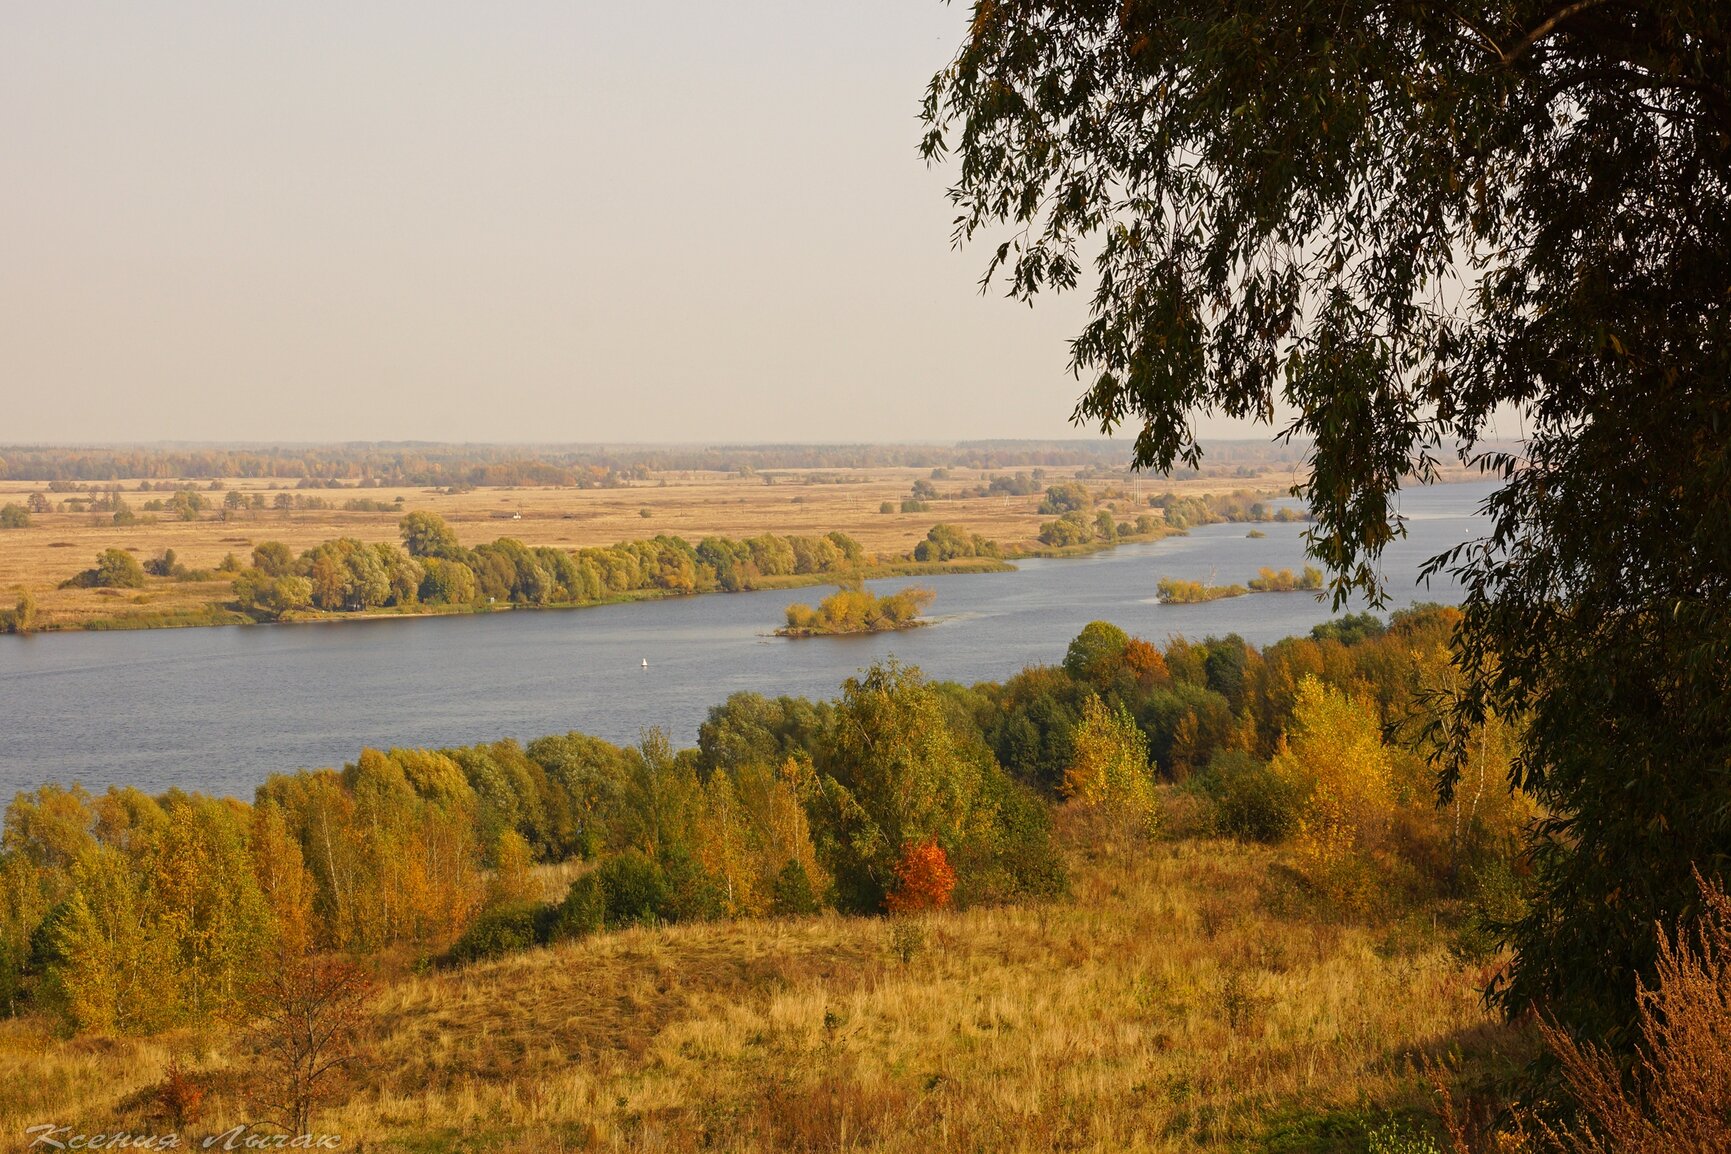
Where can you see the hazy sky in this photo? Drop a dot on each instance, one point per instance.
(577, 221)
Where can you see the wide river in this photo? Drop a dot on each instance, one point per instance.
(217, 709)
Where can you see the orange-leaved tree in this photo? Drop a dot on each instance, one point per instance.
(924, 879)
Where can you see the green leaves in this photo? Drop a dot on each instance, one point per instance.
(1415, 227)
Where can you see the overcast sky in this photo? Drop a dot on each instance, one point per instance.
(576, 221)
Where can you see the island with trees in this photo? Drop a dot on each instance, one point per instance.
(1174, 591)
(855, 609)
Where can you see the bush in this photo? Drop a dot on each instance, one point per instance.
(924, 880)
(1014, 860)
(1677, 1095)
(583, 912)
(693, 893)
(1250, 800)
(793, 894)
(1070, 497)
(14, 517)
(502, 930)
(115, 569)
(634, 891)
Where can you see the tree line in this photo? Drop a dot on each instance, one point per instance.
(432, 567)
(1082, 521)
(128, 913)
(579, 465)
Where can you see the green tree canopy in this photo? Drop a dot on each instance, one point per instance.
(116, 568)
(1387, 225)
(427, 535)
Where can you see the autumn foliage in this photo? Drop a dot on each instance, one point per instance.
(127, 914)
(924, 880)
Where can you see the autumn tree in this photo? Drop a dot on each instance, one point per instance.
(205, 906)
(1341, 775)
(312, 1016)
(901, 776)
(108, 964)
(512, 879)
(1096, 651)
(1109, 771)
(273, 558)
(283, 880)
(427, 535)
(923, 880)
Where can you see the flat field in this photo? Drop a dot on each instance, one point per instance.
(693, 505)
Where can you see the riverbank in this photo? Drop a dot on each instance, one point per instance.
(70, 524)
(222, 707)
(219, 615)
(212, 612)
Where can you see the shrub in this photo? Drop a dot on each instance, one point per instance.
(117, 569)
(165, 565)
(1250, 800)
(180, 1096)
(1070, 497)
(793, 893)
(1678, 1096)
(583, 912)
(907, 939)
(1014, 859)
(1070, 529)
(924, 880)
(693, 894)
(14, 516)
(635, 891)
(504, 929)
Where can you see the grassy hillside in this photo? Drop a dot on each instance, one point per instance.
(1182, 997)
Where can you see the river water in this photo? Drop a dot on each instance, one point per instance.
(217, 709)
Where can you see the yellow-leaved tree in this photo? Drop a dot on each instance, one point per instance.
(513, 877)
(283, 879)
(1108, 769)
(110, 963)
(1337, 767)
(206, 905)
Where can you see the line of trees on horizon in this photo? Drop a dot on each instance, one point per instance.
(445, 465)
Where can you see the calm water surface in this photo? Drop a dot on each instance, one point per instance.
(216, 710)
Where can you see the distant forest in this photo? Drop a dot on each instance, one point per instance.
(584, 466)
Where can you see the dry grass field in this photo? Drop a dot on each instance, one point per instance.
(1176, 1001)
(693, 505)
